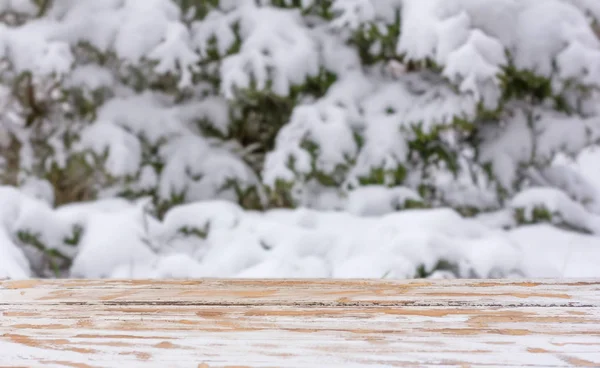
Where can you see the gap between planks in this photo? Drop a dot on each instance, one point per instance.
(307, 293)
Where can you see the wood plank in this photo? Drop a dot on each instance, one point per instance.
(300, 323)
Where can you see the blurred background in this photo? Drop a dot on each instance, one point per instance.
(299, 138)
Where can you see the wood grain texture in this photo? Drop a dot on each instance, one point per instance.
(300, 323)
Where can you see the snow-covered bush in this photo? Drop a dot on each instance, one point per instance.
(385, 109)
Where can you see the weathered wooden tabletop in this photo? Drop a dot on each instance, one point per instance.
(300, 323)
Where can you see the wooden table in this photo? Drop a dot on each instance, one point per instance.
(300, 323)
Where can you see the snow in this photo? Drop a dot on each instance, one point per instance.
(90, 76)
(565, 254)
(275, 49)
(105, 137)
(111, 239)
(471, 107)
(146, 114)
(175, 54)
(220, 239)
(191, 158)
(373, 200)
(543, 31)
(559, 205)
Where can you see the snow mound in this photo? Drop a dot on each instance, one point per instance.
(220, 239)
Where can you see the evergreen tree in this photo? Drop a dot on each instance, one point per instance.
(366, 106)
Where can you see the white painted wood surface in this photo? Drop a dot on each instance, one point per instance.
(300, 323)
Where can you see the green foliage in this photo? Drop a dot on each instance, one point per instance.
(162, 206)
(539, 214)
(314, 86)
(280, 195)
(257, 116)
(381, 176)
(43, 6)
(76, 181)
(321, 8)
(426, 64)
(527, 85)
(197, 9)
(194, 231)
(335, 178)
(248, 197)
(377, 42)
(75, 237)
(431, 148)
(468, 211)
(410, 204)
(519, 84)
(442, 265)
(212, 53)
(56, 260)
